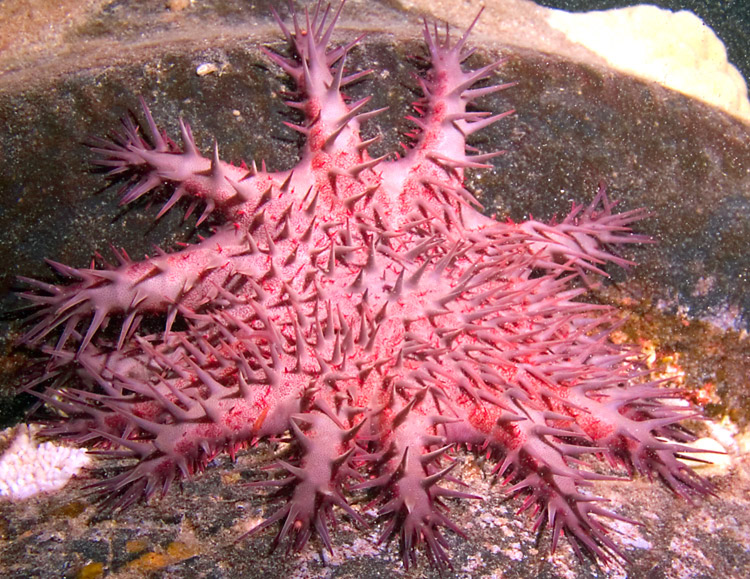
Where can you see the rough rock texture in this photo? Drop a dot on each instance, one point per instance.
(192, 534)
(616, 140)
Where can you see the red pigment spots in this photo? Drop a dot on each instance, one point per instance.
(376, 335)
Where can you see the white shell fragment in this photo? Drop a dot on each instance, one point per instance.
(206, 68)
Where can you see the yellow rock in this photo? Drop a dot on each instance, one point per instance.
(91, 571)
(136, 545)
(675, 49)
(176, 551)
(180, 551)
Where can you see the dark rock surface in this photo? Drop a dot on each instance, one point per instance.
(576, 124)
(193, 533)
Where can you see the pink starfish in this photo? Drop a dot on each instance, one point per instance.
(369, 309)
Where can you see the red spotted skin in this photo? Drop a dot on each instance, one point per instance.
(366, 309)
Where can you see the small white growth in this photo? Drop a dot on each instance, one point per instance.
(715, 454)
(630, 535)
(28, 468)
(514, 552)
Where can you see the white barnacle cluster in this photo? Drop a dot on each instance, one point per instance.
(28, 468)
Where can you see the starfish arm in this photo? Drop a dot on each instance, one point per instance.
(642, 433)
(157, 160)
(174, 403)
(315, 482)
(443, 121)
(165, 283)
(331, 125)
(409, 471)
(586, 238)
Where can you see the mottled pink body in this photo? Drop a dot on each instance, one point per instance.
(367, 308)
